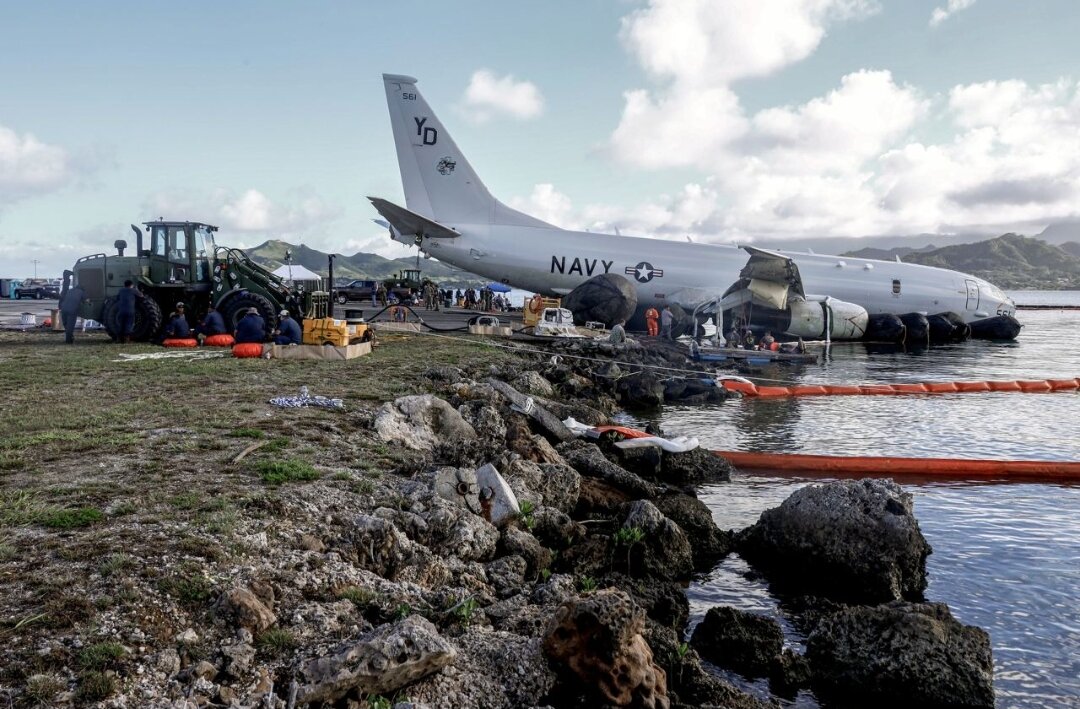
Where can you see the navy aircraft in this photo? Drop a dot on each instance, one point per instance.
(451, 215)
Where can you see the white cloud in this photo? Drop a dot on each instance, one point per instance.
(249, 212)
(842, 164)
(548, 204)
(940, 14)
(29, 166)
(704, 42)
(489, 96)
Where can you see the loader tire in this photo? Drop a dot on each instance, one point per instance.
(148, 319)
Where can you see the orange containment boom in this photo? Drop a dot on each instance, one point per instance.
(935, 467)
(1040, 385)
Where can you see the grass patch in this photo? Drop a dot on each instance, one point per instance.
(11, 461)
(20, 507)
(101, 656)
(277, 641)
(248, 433)
(192, 588)
(276, 445)
(275, 472)
(94, 687)
(186, 500)
(72, 519)
(362, 598)
(41, 438)
(113, 564)
(40, 689)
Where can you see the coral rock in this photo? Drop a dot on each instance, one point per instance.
(596, 643)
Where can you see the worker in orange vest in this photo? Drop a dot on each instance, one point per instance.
(652, 321)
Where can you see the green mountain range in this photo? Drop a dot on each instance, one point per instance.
(271, 254)
(1009, 261)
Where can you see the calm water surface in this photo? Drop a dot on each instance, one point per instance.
(1006, 556)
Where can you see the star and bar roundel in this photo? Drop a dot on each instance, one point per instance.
(644, 272)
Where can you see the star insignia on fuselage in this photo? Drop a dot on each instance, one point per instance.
(644, 272)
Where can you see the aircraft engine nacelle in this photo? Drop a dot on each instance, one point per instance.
(846, 321)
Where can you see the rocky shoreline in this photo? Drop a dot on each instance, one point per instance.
(415, 588)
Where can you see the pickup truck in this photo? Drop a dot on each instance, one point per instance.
(355, 290)
(38, 288)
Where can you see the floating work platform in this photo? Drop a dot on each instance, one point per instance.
(735, 354)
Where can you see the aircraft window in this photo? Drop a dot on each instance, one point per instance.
(896, 286)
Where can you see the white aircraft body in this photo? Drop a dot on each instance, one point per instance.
(451, 216)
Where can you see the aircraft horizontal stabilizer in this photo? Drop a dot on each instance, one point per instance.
(410, 223)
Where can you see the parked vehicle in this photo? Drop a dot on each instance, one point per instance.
(37, 288)
(354, 290)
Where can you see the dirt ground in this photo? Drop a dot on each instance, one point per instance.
(121, 501)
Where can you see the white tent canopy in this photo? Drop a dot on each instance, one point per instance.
(296, 272)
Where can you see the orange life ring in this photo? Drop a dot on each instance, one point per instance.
(247, 349)
(536, 304)
(225, 340)
(181, 342)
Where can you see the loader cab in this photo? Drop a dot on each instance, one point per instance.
(180, 252)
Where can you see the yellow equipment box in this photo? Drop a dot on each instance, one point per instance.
(326, 331)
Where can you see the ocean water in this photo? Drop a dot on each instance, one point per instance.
(1006, 555)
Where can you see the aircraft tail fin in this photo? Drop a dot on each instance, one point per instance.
(438, 180)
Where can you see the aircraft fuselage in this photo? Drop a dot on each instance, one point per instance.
(555, 261)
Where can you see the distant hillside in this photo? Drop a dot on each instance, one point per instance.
(1061, 232)
(1009, 261)
(271, 254)
(1071, 247)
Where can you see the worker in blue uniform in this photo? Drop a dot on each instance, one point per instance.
(178, 327)
(251, 328)
(125, 311)
(213, 323)
(288, 330)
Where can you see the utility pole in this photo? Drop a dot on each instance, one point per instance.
(36, 262)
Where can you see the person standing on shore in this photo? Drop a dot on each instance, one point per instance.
(666, 318)
(125, 311)
(69, 312)
(652, 323)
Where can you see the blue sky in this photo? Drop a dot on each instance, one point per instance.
(732, 119)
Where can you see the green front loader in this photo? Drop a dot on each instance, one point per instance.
(181, 264)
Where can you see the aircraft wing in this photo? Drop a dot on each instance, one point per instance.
(765, 265)
(768, 278)
(411, 223)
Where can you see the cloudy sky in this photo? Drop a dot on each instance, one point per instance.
(725, 119)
